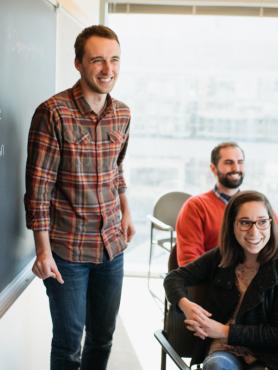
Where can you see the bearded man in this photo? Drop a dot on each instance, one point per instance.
(200, 218)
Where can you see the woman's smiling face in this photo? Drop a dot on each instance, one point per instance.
(252, 237)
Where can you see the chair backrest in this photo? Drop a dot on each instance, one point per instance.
(167, 207)
(181, 339)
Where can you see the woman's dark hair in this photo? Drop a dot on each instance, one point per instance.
(231, 251)
(97, 30)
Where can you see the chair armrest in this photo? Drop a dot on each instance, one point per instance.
(160, 336)
(159, 224)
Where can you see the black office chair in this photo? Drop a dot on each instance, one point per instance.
(163, 220)
(175, 339)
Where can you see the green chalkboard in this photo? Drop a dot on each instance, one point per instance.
(27, 77)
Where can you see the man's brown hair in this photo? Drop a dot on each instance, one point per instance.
(96, 30)
(215, 153)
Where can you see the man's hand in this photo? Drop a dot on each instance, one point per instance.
(127, 227)
(45, 267)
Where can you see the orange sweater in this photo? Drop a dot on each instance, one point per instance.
(198, 226)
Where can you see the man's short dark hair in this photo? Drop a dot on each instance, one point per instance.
(96, 30)
(215, 153)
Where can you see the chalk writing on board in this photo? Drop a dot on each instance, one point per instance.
(2, 150)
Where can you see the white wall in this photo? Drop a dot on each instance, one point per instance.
(72, 17)
(85, 11)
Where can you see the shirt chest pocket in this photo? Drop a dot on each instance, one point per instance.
(78, 150)
(116, 137)
(77, 135)
(111, 150)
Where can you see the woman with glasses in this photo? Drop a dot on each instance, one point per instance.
(237, 328)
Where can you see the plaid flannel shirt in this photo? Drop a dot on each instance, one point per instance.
(74, 175)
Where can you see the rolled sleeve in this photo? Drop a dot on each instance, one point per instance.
(41, 169)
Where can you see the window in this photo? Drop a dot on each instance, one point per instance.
(192, 82)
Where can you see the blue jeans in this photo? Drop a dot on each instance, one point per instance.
(90, 297)
(221, 360)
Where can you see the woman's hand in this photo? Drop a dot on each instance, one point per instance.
(199, 321)
(204, 327)
(193, 312)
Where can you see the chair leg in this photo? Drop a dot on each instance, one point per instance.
(149, 270)
(150, 257)
(165, 313)
(163, 360)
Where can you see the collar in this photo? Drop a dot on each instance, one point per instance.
(82, 104)
(266, 277)
(263, 282)
(224, 197)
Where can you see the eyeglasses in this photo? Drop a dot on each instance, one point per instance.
(261, 224)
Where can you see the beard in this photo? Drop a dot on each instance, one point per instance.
(228, 182)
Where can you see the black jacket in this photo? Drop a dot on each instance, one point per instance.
(256, 325)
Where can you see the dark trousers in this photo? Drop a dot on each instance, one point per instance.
(90, 297)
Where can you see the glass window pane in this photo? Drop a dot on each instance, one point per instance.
(192, 82)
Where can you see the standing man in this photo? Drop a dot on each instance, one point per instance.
(76, 204)
(200, 218)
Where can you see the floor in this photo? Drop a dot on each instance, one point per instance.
(142, 314)
(26, 329)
